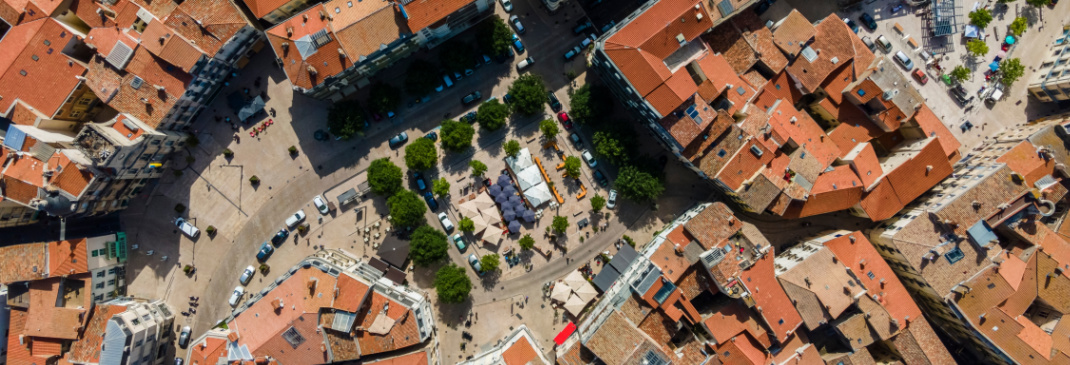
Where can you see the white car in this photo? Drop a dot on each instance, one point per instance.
(187, 228)
(183, 337)
(612, 202)
(236, 296)
(525, 63)
(507, 5)
(589, 158)
(446, 224)
(298, 217)
(320, 205)
(247, 275)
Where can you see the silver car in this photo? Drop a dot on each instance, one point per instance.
(589, 158)
(235, 297)
(183, 337)
(247, 275)
(612, 202)
(320, 205)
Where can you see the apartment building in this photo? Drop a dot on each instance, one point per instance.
(519, 347)
(274, 11)
(1051, 82)
(331, 49)
(797, 119)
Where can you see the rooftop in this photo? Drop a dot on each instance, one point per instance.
(32, 53)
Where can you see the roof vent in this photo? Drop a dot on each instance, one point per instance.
(698, 16)
(136, 82)
(928, 168)
(835, 60)
(680, 39)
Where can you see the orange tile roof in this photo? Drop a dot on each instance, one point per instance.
(733, 319)
(31, 54)
(644, 70)
(713, 225)
(923, 171)
(23, 114)
(777, 311)
(403, 334)
(1024, 160)
(655, 30)
(881, 202)
(619, 341)
(162, 42)
(261, 320)
(931, 125)
(761, 40)
(372, 26)
(68, 257)
(23, 262)
(865, 164)
(673, 265)
(89, 12)
(793, 32)
(731, 43)
(425, 13)
(311, 350)
(16, 352)
(520, 353)
(146, 104)
(45, 318)
(87, 348)
(325, 62)
(856, 252)
(71, 178)
(206, 23)
(27, 169)
(208, 351)
(260, 8)
(742, 350)
(833, 39)
(820, 288)
(17, 190)
(779, 87)
(351, 293)
(744, 165)
(826, 202)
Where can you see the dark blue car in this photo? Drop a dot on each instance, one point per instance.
(265, 252)
(430, 199)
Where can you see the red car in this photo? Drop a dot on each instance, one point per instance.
(563, 117)
(920, 76)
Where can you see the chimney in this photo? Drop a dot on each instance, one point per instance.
(160, 88)
(928, 168)
(305, 17)
(311, 70)
(289, 31)
(852, 238)
(143, 100)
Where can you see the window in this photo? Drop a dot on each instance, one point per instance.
(85, 101)
(76, 114)
(96, 253)
(100, 274)
(100, 285)
(111, 271)
(111, 282)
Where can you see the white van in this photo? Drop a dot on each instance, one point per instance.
(525, 63)
(187, 228)
(997, 93)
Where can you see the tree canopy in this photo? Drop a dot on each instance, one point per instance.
(529, 94)
(494, 36)
(597, 203)
(492, 114)
(610, 146)
(977, 47)
(560, 224)
(383, 97)
(428, 246)
(452, 284)
(1038, 3)
(638, 185)
(961, 73)
(1019, 25)
(490, 262)
(478, 167)
(980, 17)
(549, 128)
(456, 136)
(512, 148)
(345, 118)
(1011, 70)
(466, 225)
(421, 77)
(384, 177)
(421, 154)
(406, 209)
(440, 187)
(526, 242)
(591, 103)
(572, 166)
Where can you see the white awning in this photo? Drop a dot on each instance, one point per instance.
(520, 162)
(538, 194)
(529, 177)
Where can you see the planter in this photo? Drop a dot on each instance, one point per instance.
(293, 150)
(210, 230)
(254, 180)
(228, 153)
(264, 269)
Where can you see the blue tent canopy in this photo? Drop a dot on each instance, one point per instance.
(994, 66)
(1010, 40)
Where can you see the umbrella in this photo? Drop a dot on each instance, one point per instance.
(519, 208)
(509, 190)
(529, 216)
(515, 199)
(1002, 54)
(994, 66)
(479, 223)
(514, 226)
(575, 280)
(484, 201)
(586, 292)
(495, 190)
(575, 305)
(509, 215)
(491, 215)
(1010, 40)
(505, 180)
(502, 199)
(469, 209)
(560, 293)
(492, 234)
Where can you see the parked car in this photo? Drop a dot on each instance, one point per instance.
(457, 75)
(446, 224)
(902, 59)
(280, 236)
(920, 76)
(399, 140)
(459, 242)
(469, 118)
(524, 63)
(600, 178)
(486, 59)
(554, 103)
(432, 136)
(187, 228)
(515, 21)
(430, 199)
(996, 95)
(247, 275)
(583, 25)
(320, 205)
(474, 261)
(575, 138)
(471, 98)
(419, 181)
(868, 21)
(236, 296)
(589, 158)
(607, 27)
(507, 5)
(587, 41)
(960, 95)
(183, 337)
(851, 24)
(447, 80)
(507, 98)
(293, 220)
(884, 43)
(612, 201)
(266, 249)
(572, 53)
(179, 361)
(563, 117)
(517, 44)
(869, 43)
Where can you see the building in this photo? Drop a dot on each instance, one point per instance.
(995, 217)
(331, 49)
(330, 307)
(125, 331)
(1051, 82)
(101, 258)
(273, 11)
(796, 119)
(519, 348)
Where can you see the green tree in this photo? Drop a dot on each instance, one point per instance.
(457, 136)
(1019, 25)
(384, 177)
(977, 47)
(591, 103)
(383, 98)
(440, 187)
(478, 167)
(452, 284)
(512, 148)
(597, 203)
(609, 146)
(492, 114)
(345, 118)
(421, 154)
(549, 128)
(638, 185)
(466, 225)
(980, 17)
(1010, 70)
(428, 246)
(456, 55)
(572, 167)
(494, 36)
(560, 224)
(1038, 3)
(421, 78)
(961, 73)
(490, 262)
(526, 242)
(529, 94)
(406, 209)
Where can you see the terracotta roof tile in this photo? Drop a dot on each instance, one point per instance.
(370, 31)
(780, 87)
(723, 150)
(863, 161)
(415, 358)
(260, 8)
(729, 321)
(208, 24)
(88, 12)
(403, 334)
(158, 39)
(17, 190)
(856, 252)
(761, 40)
(793, 32)
(45, 318)
(261, 321)
(827, 202)
(673, 265)
(351, 293)
(208, 351)
(147, 104)
(29, 57)
(67, 257)
(644, 70)
(730, 43)
(17, 353)
(655, 30)
(520, 353)
(744, 164)
(920, 345)
(833, 39)
(931, 125)
(819, 277)
(664, 99)
(760, 193)
(659, 328)
(424, 13)
(87, 348)
(71, 178)
(923, 171)
(619, 342)
(310, 350)
(777, 311)
(713, 225)
(855, 331)
(881, 202)
(754, 78)
(635, 309)
(326, 61)
(1024, 160)
(23, 114)
(743, 351)
(23, 262)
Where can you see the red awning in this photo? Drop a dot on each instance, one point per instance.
(563, 335)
